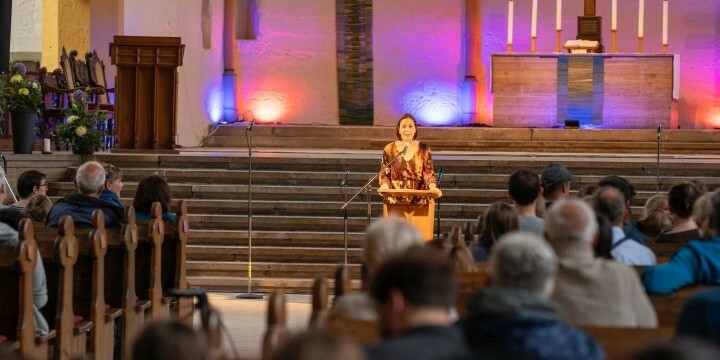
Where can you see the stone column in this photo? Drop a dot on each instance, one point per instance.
(472, 61)
(355, 62)
(230, 111)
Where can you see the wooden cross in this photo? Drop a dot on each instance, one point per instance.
(589, 7)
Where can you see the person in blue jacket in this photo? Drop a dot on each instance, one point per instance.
(113, 186)
(698, 262)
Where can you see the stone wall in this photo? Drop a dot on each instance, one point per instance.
(25, 32)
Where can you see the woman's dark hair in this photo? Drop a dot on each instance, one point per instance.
(604, 242)
(151, 189)
(397, 127)
(681, 199)
(499, 219)
(169, 339)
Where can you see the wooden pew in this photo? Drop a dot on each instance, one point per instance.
(276, 331)
(174, 263)
(343, 281)
(59, 256)
(319, 315)
(664, 251)
(468, 285)
(669, 307)
(148, 257)
(624, 343)
(17, 325)
(360, 331)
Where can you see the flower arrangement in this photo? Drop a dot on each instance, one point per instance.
(80, 129)
(18, 92)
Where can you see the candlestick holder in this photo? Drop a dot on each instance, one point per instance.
(640, 45)
(614, 41)
(557, 41)
(665, 48)
(532, 44)
(509, 48)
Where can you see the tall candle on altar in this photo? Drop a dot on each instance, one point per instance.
(614, 15)
(510, 22)
(641, 19)
(558, 17)
(533, 28)
(665, 23)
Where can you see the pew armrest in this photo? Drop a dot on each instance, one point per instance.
(9, 346)
(44, 339)
(143, 305)
(112, 314)
(83, 327)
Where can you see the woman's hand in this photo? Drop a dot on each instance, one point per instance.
(434, 189)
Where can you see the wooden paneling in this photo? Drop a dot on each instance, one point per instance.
(621, 92)
(146, 106)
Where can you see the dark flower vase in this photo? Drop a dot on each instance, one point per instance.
(23, 130)
(83, 148)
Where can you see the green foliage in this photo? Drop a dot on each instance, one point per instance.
(80, 127)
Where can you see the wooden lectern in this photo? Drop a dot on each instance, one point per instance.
(146, 91)
(422, 216)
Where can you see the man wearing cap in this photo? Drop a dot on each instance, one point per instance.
(555, 180)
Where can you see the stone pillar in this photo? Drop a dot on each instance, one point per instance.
(5, 17)
(472, 61)
(64, 23)
(230, 112)
(355, 62)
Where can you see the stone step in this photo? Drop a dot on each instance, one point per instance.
(273, 254)
(267, 270)
(240, 284)
(295, 239)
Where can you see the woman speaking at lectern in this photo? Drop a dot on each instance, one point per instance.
(411, 166)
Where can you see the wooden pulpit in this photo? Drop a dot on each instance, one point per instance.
(422, 216)
(146, 91)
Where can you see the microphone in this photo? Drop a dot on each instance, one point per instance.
(407, 145)
(344, 178)
(439, 177)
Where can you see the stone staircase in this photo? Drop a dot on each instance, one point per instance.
(297, 221)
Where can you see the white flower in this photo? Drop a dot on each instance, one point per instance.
(72, 118)
(80, 131)
(16, 79)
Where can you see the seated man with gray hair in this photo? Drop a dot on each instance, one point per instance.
(514, 318)
(383, 238)
(90, 182)
(592, 291)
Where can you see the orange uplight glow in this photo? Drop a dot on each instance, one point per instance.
(269, 107)
(709, 116)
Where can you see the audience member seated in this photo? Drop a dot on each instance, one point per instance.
(499, 219)
(610, 202)
(555, 180)
(656, 217)
(113, 186)
(383, 238)
(681, 200)
(314, 345)
(90, 181)
(701, 186)
(456, 250)
(151, 189)
(169, 339)
(697, 262)
(590, 291)
(30, 183)
(414, 293)
(9, 236)
(681, 349)
(603, 244)
(701, 215)
(700, 317)
(587, 190)
(629, 226)
(514, 318)
(38, 208)
(524, 189)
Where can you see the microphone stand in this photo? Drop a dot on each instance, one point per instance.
(343, 188)
(657, 174)
(437, 204)
(7, 184)
(249, 294)
(368, 184)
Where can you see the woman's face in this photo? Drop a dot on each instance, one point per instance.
(115, 186)
(407, 129)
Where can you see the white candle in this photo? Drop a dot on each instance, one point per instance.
(510, 22)
(533, 30)
(614, 15)
(46, 145)
(558, 17)
(641, 19)
(665, 23)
